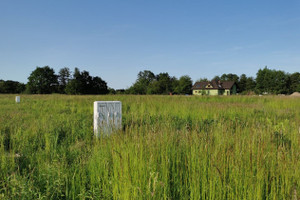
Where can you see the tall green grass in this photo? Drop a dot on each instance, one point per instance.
(170, 147)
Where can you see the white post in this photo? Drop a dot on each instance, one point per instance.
(107, 117)
(17, 99)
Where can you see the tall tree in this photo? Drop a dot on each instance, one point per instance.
(261, 81)
(141, 85)
(11, 87)
(243, 83)
(74, 85)
(246, 84)
(295, 82)
(163, 84)
(86, 83)
(99, 86)
(272, 81)
(250, 84)
(83, 83)
(230, 77)
(64, 76)
(42, 81)
(280, 82)
(184, 85)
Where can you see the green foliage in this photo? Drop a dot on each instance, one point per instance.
(272, 81)
(11, 87)
(267, 82)
(149, 83)
(229, 77)
(184, 85)
(216, 78)
(295, 82)
(170, 147)
(42, 81)
(64, 76)
(45, 81)
(141, 86)
(204, 79)
(83, 83)
(163, 84)
(246, 84)
(203, 92)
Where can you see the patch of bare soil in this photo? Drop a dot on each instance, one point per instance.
(295, 94)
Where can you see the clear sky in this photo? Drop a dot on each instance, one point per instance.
(115, 39)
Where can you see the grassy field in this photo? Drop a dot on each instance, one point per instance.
(170, 147)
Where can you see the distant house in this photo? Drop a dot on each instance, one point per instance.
(214, 87)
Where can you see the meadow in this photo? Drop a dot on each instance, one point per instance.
(170, 147)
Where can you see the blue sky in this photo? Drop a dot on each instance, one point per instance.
(117, 39)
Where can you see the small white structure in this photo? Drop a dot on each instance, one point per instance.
(18, 99)
(107, 117)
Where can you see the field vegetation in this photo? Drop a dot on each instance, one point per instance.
(170, 147)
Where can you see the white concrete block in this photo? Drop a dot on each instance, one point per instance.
(18, 99)
(107, 117)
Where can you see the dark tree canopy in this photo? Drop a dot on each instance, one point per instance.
(272, 81)
(141, 86)
(246, 84)
(230, 77)
(64, 76)
(206, 79)
(163, 84)
(184, 85)
(295, 82)
(99, 86)
(11, 87)
(243, 82)
(149, 83)
(42, 81)
(83, 83)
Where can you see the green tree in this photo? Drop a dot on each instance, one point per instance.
(230, 77)
(246, 84)
(64, 76)
(243, 83)
(217, 78)
(280, 82)
(184, 85)
(83, 83)
(272, 81)
(99, 86)
(205, 79)
(163, 84)
(141, 85)
(74, 85)
(149, 83)
(261, 82)
(250, 84)
(11, 87)
(295, 82)
(42, 81)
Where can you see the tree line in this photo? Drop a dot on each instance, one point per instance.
(44, 80)
(149, 83)
(267, 81)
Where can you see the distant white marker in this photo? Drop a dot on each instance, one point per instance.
(18, 99)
